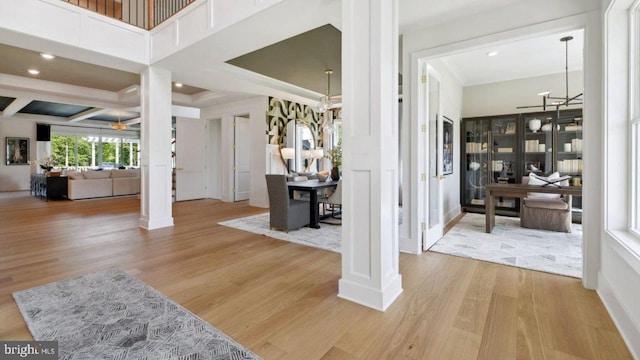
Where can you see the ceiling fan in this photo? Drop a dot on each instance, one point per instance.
(547, 99)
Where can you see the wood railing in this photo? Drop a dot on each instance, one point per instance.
(145, 14)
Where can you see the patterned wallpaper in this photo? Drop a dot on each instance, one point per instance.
(281, 112)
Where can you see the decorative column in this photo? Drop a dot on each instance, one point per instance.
(370, 274)
(155, 160)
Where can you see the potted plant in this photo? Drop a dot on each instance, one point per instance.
(46, 164)
(335, 155)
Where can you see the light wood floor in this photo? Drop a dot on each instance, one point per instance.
(279, 299)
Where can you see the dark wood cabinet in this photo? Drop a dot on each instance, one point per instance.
(49, 187)
(503, 148)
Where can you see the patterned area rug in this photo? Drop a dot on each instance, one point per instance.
(510, 244)
(328, 237)
(112, 315)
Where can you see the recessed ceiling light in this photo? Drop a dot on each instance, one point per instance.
(178, 84)
(544, 93)
(492, 53)
(33, 71)
(47, 56)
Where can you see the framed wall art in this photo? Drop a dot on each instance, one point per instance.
(17, 151)
(447, 146)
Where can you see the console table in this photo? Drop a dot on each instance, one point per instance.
(519, 191)
(49, 187)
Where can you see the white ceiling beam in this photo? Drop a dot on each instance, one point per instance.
(132, 121)
(16, 105)
(86, 114)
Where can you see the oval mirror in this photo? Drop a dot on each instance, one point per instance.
(298, 147)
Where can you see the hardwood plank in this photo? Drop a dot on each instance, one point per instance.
(280, 299)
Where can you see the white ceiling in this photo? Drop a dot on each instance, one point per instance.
(532, 57)
(224, 83)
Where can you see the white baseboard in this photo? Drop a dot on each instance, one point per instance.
(629, 331)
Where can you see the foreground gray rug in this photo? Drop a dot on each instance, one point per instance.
(112, 315)
(328, 237)
(510, 244)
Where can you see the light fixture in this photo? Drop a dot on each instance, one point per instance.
(325, 101)
(33, 71)
(559, 101)
(47, 56)
(118, 125)
(288, 153)
(178, 85)
(492, 53)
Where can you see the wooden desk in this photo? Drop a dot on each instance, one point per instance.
(312, 187)
(519, 191)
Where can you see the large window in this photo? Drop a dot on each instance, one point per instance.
(84, 152)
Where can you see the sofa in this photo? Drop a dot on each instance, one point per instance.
(103, 183)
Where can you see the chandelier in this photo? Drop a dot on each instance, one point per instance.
(325, 101)
(118, 125)
(547, 99)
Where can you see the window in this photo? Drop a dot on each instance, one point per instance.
(634, 111)
(84, 152)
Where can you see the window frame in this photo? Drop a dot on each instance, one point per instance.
(634, 119)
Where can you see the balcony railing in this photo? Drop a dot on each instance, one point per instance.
(144, 14)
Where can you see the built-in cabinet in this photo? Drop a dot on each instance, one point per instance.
(503, 148)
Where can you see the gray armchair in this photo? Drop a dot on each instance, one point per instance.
(537, 212)
(285, 213)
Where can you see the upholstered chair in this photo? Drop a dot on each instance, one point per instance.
(545, 211)
(334, 201)
(285, 213)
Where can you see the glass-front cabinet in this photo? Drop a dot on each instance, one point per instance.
(502, 149)
(491, 156)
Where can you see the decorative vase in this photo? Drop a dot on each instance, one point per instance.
(534, 125)
(335, 173)
(474, 166)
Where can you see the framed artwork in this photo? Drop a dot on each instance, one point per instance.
(17, 151)
(447, 146)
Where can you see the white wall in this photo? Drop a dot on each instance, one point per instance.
(256, 110)
(214, 161)
(17, 177)
(503, 97)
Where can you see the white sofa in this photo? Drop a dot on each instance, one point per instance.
(104, 183)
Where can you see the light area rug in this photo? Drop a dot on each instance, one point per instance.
(328, 237)
(112, 315)
(510, 244)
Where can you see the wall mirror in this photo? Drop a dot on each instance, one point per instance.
(298, 149)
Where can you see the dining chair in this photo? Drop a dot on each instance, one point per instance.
(335, 200)
(285, 213)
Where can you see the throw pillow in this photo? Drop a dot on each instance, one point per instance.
(537, 180)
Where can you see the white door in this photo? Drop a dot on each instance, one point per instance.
(241, 166)
(433, 203)
(190, 159)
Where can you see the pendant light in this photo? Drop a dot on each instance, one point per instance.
(325, 101)
(118, 126)
(555, 100)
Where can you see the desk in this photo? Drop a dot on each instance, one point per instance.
(519, 191)
(312, 187)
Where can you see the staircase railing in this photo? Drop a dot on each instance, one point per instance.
(145, 14)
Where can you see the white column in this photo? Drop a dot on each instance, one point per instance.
(93, 153)
(155, 161)
(370, 274)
